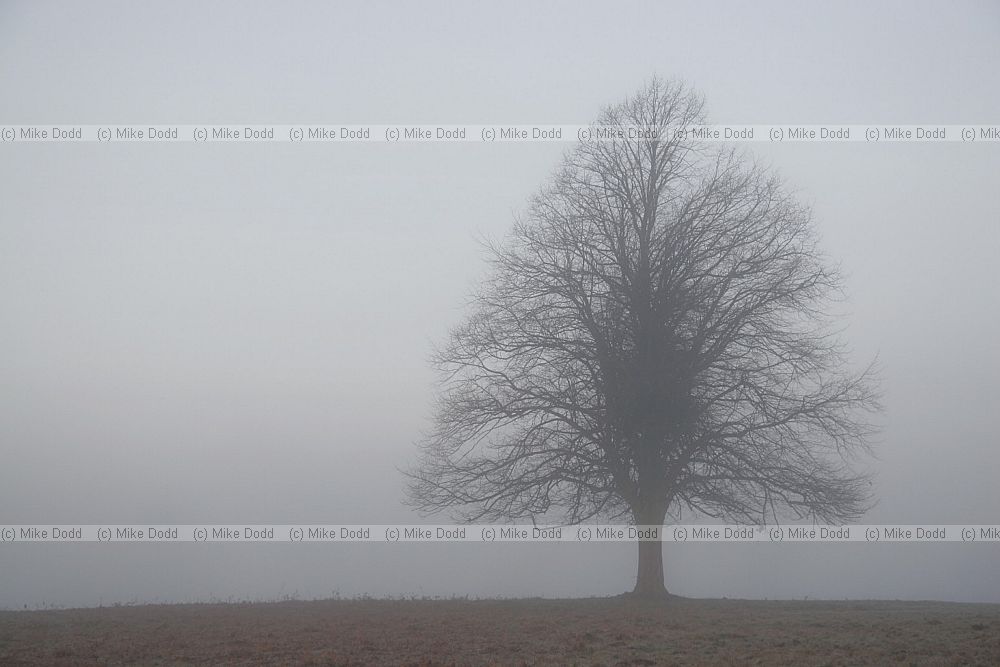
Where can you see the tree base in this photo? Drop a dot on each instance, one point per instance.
(651, 596)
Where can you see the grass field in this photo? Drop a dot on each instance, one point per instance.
(608, 631)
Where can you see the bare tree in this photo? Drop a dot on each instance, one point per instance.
(653, 338)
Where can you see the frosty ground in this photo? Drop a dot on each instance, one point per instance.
(598, 631)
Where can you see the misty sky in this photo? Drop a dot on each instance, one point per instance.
(210, 333)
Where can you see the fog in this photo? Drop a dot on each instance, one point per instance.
(216, 333)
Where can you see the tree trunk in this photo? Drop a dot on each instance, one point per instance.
(649, 575)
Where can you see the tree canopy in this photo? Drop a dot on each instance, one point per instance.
(653, 337)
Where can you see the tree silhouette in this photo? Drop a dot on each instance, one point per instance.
(653, 338)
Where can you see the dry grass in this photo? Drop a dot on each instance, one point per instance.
(615, 631)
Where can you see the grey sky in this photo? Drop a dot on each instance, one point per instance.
(211, 333)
